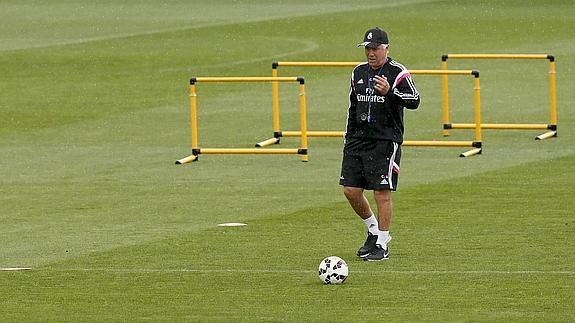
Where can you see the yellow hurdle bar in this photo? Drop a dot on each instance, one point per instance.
(427, 143)
(552, 95)
(316, 64)
(477, 111)
(500, 126)
(303, 120)
(444, 72)
(248, 151)
(275, 101)
(437, 143)
(498, 56)
(196, 150)
(313, 133)
(246, 79)
(445, 98)
(193, 116)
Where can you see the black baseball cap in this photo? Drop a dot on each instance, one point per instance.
(374, 37)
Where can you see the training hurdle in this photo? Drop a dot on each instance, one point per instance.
(552, 126)
(476, 144)
(196, 150)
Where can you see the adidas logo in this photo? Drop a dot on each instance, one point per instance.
(384, 182)
(360, 81)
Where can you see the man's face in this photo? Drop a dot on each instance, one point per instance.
(376, 56)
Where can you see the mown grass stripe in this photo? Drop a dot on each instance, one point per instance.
(303, 271)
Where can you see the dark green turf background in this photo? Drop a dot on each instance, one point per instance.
(93, 113)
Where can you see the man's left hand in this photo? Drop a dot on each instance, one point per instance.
(381, 85)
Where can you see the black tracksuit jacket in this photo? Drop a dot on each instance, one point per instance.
(382, 119)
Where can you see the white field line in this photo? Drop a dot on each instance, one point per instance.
(204, 25)
(308, 46)
(296, 271)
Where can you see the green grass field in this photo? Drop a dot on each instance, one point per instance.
(94, 112)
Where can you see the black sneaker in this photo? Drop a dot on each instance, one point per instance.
(378, 254)
(368, 246)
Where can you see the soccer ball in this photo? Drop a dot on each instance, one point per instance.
(333, 270)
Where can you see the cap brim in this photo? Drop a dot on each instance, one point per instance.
(369, 44)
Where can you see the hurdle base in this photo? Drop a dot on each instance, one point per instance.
(471, 152)
(549, 134)
(185, 160)
(268, 142)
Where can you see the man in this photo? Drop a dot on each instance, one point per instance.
(380, 90)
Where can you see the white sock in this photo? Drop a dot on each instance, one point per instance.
(371, 224)
(383, 238)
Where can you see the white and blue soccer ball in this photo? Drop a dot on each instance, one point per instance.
(333, 270)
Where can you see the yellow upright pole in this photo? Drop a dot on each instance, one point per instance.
(552, 93)
(477, 107)
(193, 116)
(444, 91)
(276, 101)
(303, 120)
